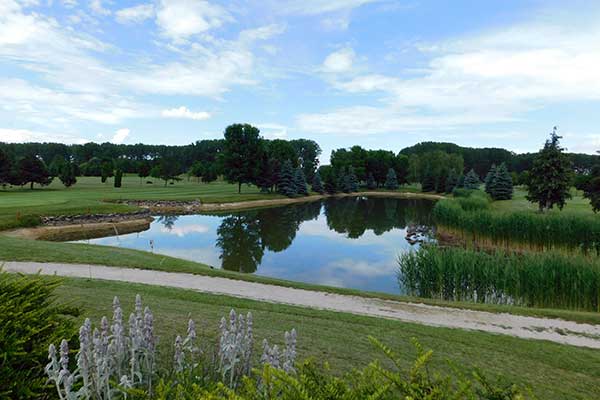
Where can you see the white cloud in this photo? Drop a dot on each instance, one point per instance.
(98, 8)
(314, 7)
(184, 112)
(185, 230)
(135, 14)
(339, 61)
(120, 136)
(180, 19)
(273, 131)
(25, 135)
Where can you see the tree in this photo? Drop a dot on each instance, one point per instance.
(489, 178)
(68, 174)
(144, 170)
(300, 182)
(118, 177)
(428, 180)
(472, 180)
(286, 184)
(331, 181)
(451, 181)
(317, 184)
(352, 180)
(371, 184)
(31, 169)
(56, 165)
(550, 176)
(307, 152)
(240, 150)
(167, 169)
(5, 168)
(197, 170)
(501, 184)
(210, 174)
(391, 182)
(591, 187)
(106, 170)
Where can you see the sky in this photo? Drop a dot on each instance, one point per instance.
(377, 73)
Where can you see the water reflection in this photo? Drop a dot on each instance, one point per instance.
(349, 242)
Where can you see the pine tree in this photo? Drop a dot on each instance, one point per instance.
(460, 184)
(371, 184)
(501, 185)
(343, 181)
(331, 183)
(391, 181)
(428, 182)
(300, 182)
(451, 181)
(472, 180)
(67, 174)
(489, 178)
(317, 184)
(286, 182)
(118, 177)
(352, 180)
(550, 176)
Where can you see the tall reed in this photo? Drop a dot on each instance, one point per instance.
(548, 279)
(522, 229)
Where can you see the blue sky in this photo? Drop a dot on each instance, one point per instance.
(379, 73)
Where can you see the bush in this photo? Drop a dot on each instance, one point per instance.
(29, 322)
(28, 220)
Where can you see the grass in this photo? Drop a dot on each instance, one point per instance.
(15, 249)
(577, 206)
(553, 371)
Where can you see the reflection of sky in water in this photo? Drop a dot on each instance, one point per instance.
(317, 253)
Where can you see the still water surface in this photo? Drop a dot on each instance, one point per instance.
(350, 242)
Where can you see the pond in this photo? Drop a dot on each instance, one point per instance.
(350, 242)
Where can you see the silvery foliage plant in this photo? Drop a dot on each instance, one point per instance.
(116, 357)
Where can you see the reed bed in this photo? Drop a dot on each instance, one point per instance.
(544, 280)
(471, 221)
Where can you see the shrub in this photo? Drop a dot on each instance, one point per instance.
(29, 322)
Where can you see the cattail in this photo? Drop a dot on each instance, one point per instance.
(179, 356)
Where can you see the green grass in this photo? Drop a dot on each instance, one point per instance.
(578, 205)
(553, 371)
(15, 249)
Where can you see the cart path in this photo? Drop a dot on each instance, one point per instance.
(556, 330)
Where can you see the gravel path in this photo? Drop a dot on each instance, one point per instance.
(555, 330)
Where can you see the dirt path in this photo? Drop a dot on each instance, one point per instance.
(555, 330)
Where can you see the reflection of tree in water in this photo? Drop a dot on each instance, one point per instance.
(243, 237)
(168, 220)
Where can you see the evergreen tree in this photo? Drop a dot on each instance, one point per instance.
(371, 184)
(472, 180)
(331, 182)
(286, 182)
(317, 185)
(106, 170)
(343, 181)
(550, 176)
(118, 177)
(428, 181)
(489, 178)
(210, 174)
(451, 181)
(31, 169)
(460, 184)
(5, 168)
(300, 182)
(352, 180)
(68, 174)
(501, 185)
(391, 182)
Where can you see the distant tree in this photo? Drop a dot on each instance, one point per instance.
(402, 168)
(428, 181)
(240, 150)
(371, 184)
(352, 180)
(550, 176)
(197, 170)
(472, 180)
(286, 184)
(31, 169)
(591, 187)
(68, 174)
(489, 178)
(307, 152)
(451, 181)
(143, 170)
(501, 185)
(118, 177)
(391, 182)
(210, 174)
(167, 169)
(5, 168)
(331, 182)
(317, 184)
(106, 170)
(56, 165)
(300, 182)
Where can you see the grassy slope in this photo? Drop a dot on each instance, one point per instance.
(554, 371)
(575, 206)
(13, 249)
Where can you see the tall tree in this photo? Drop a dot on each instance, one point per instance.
(118, 177)
(391, 181)
(210, 174)
(489, 178)
(167, 169)
(550, 176)
(300, 182)
(240, 150)
(31, 169)
(307, 152)
(591, 187)
(5, 168)
(352, 180)
(371, 184)
(286, 184)
(197, 170)
(317, 184)
(472, 180)
(143, 170)
(68, 174)
(451, 181)
(501, 185)
(106, 170)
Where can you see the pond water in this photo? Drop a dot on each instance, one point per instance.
(351, 242)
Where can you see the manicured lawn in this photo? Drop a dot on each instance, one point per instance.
(578, 205)
(553, 371)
